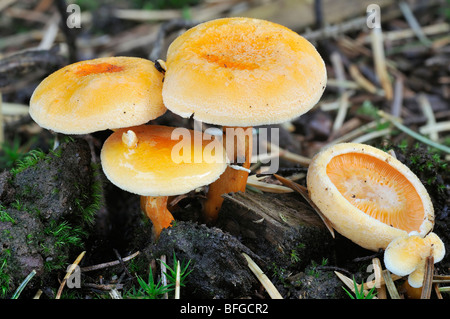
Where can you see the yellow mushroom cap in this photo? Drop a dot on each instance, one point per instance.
(242, 72)
(406, 255)
(144, 160)
(98, 94)
(368, 195)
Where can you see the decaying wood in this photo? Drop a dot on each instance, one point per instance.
(273, 225)
(304, 192)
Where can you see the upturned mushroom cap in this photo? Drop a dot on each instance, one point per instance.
(141, 160)
(406, 255)
(368, 195)
(242, 72)
(99, 94)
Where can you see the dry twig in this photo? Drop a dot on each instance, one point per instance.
(109, 264)
(69, 272)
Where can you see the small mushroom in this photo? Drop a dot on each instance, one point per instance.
(368, 195)
(99, 94)
(406, 256)
(140, 160)
(239, 73)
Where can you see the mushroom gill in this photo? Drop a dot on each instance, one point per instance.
(377, 189)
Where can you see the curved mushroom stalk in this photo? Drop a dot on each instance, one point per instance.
(155, 207)
(232, 180)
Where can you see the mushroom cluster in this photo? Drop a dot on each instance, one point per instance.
(123, 94)
(231, 72)
(406, 255)
(236, 73)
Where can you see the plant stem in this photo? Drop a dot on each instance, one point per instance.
(411, 133)
(23, 284)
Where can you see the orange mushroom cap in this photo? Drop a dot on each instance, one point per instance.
(368, 195)
(242, 72)
(99, 94)
(145, 165)
(406, 255)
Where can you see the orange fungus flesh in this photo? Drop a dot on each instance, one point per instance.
(377, 189)
(162, 163)
(87, 69)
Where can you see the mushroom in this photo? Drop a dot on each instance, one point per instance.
(98, 94)
(238, 73)
(406, 255)
(368, 195)
(141, 160)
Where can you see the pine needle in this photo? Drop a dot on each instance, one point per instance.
(177, 281)
(413, 134)
(393, 292)
(69, 272)
(263, 279)
(380, 62)
(428, 278)
(267, 187)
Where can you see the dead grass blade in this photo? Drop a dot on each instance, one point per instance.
(428, 278)
(163, 275)
(381, 289)
(370, 284)
(427, 110)
(441, 279)
(69, 272)
(267, 187)
(393, 292)
(109, 264)
(380, 62)
(413, 23)
(178, 281)
(263, 279)
(304, 192)
(396, 122)
(361, 80)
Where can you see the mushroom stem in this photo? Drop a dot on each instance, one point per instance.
(155, 207)
(232, 180)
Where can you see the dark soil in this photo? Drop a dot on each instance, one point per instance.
(56, 204)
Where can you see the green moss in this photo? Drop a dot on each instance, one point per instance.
(4, 216)
(91, 200)
(31, 159)
(58, 237)
(11, 152)
(5, 279)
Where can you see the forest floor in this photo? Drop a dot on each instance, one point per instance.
(388, 87)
